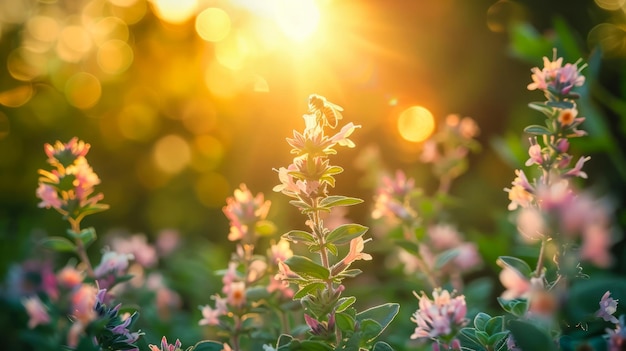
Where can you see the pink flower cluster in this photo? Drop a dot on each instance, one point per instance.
(244, 211)
(556, 78)
(440, 318)
(393, 199)
(69, 187)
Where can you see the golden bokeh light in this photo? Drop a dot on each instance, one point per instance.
(221, 81)
(43, 28)
(74, 42)
(210, 152)
(298, 19)
(610, 38)
(124, 3)
(83, 90)
(610, 5)
(25, 65)
(131, 14)
(175, 11)
(16, 97)
(138, 122)
(198, 117)
(416, 124)
(233, 52)
(115, 56)
(504, 13)
(213, 24)
(211, 189)
(171, 154)
(109, 28)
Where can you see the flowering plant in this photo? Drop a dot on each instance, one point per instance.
(293, 295)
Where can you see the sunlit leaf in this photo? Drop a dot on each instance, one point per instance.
(382, 314)
(297, 236)
(537, 130)
(332, 201)
(346, 232)
(304, 266)
(344, 303)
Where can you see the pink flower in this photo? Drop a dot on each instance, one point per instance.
(137, 247)
(167, 241)
(83, 303)
(65, 154)
(49, 196)
(521, 193)
(356, 251)
(393, 196)
(244, 211)
(341, 137)
(515, 284)
(443, 316)
(608, 307)
(577, 170)
(536, 156)
(112, 262)
(70, 277)
(596, 245)
(177, 346)
(237, 294)
(444, 236)
(280, 251)
(210, 316)
(555, 78)
(36, 310)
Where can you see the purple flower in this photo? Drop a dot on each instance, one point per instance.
(608, 306)
(441, 317)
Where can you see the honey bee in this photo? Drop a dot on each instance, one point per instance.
(327, 113)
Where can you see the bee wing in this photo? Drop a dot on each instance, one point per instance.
(332, 116)
(334, 106)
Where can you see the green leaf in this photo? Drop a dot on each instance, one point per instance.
(312, 345)
(58, 243)
(516, 307)
(332, 170)
(481, 320)
(303, 206)
(382, 346)
(445, 257)
(410, 246)
(494, 339)
(344, 303)
(344, 233)
(468, 338)
(494, 325)
(519, 266)
(296, 236)
(336, 200)
(537, 130)
(350, 273)
(306, 289)
(383, 314)
(542, 107)
(304, 266)
(530, 338)
(560, 104)
(208, 345)
(482, 337)
(265, 228)
(370, 329)
(344, 321)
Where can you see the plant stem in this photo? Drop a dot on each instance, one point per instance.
(540, 259)
(80, 248)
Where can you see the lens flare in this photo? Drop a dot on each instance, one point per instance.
(175, 11)
(416, 124)
(298, 19)
(213, 24)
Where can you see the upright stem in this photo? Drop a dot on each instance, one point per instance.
(540, 259)
(80, 248)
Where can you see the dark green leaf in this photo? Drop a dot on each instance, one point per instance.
(382, 346)
(542, 107)
(530, 338)
(494, 325)
(494, 339)
(304, 266)
(344, 233)
(482, 337)
(382, 314)
(481, 320)
(58, 243)
(312, 345)
(344, 322)
(370, 329)
(537, 130)
(410, 246)
(208, 345)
